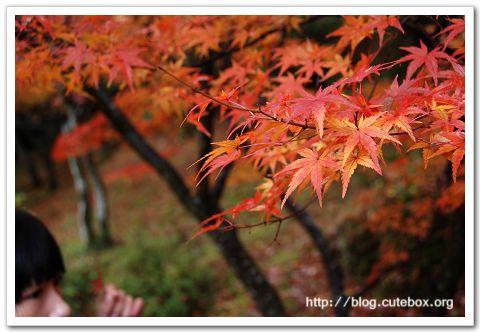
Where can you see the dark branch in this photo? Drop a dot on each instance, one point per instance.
(144, 150)
(266, 222)
(332, 264)
(219, 185)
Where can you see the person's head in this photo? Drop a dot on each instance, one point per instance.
(38, 269)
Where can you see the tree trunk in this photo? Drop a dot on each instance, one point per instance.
(23, 157)
(104, 238)
(84, 215)
(330, 260)
(444, 250)
(265, 296)
(50, 167)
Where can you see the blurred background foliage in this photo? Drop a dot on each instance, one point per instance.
(152, 257)
(381, 220)
(171, 278)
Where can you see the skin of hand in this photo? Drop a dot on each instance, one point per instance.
(114, 302)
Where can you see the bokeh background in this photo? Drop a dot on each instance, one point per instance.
(400, 235)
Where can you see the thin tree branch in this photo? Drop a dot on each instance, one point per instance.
(252, 110)
(277, 233)
(231, 106)
(267, 222)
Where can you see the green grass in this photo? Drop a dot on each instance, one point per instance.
(173, 279)
(152, 258)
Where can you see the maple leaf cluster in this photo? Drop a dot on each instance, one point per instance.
(315, 139)
(305, 112)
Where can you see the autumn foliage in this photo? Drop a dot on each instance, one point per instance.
(306, 113)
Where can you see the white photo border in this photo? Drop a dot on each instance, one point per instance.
(468, 320)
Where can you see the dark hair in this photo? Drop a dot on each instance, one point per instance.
(37, 255)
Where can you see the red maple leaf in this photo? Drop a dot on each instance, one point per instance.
(357, 28)
(122, 60)
(421, 56)
(76, 56)
(97, 284)
(455, 29)
(316, 106)
(217, 219)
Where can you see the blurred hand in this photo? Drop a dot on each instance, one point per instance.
(114, 302)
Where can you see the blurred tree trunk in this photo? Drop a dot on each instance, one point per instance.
(91, 195)
(104, 238)
(232, 249)
(24, 158)
(50, 167)
(200, 206)
(441, 258)
(84, 214)
(441, 262)
(330, 260)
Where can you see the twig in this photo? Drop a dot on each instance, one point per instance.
(405, 133)
(242, 108)
(370, 95)
(277, 232)
(276, 220)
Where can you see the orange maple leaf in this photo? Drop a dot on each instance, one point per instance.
(362, 137)
(362, 158)
(226, 153)
(453, 144)
(218, 221)
(311, 165)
